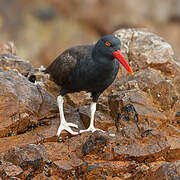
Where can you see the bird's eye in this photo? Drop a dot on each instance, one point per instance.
(107, 43)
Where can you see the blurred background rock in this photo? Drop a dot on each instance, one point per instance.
(41, 30)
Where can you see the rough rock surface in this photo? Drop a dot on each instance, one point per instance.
(23, 103)
(140, 115)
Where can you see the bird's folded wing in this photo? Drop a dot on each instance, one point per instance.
(63, 65)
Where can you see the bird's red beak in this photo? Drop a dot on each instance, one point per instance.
(117, 54)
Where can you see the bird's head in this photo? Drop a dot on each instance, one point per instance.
(109, 47)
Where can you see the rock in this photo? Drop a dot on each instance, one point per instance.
(30, 157)
(174, 151)
(9, 61)
(167, 171)
(78, 99)
(147, 151)
(37, 135)
(42, 176)
(85, 144)
(8, 170)
(8, 48)
(160, 91)
(102, 121)
(85, 115)
(27, 103)
(141, 110)
(29, 160)
(145, 49)
(93, 144)
(101, 169)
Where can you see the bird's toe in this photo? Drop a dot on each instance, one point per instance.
(73, 125)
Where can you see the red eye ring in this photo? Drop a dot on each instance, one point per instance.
(107, 43)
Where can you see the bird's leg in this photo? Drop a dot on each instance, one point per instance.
(91, 126)
(63, 124)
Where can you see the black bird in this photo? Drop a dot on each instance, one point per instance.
(90, 68)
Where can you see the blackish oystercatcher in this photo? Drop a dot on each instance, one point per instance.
(90, 68)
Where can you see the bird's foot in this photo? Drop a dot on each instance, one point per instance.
(65, 126)
(92, 129)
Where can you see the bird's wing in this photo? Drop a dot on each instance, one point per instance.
(63, 65)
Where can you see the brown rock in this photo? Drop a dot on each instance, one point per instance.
(102, 121)
(22, 103)
(9, 62)
(148, 151)
(167, 171)
(145, 49)
(94, 143)
(31, 157)
(152, 82)
(164, 94)
(42, 176)
(78, 99)
(174, 151)
(8, 48)
(136, 103)
(32, 136)
(8, 170)
(65, 168)
(85, 115)
(100, 169)
(64, 163)
(84, 144)
(138, 173)
(45, 132)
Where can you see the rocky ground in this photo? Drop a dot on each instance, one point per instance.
(140, 115)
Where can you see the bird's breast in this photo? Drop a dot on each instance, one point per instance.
(101, 76)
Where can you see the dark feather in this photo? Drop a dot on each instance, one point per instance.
(63, 65)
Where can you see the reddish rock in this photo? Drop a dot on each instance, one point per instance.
(100, 169)
(167, 171)
(32, 136)
(22, 103)
(30, 157)
(135, 106)
(42, 176)
(147, 151)
(102, 121)
(160, 91)
(145, 49)
(9, 62)
(8, 170)
(174, 151)
(78, 99)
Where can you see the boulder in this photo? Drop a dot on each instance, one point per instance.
(22, 103)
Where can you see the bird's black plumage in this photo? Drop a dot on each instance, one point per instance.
(90, 68)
